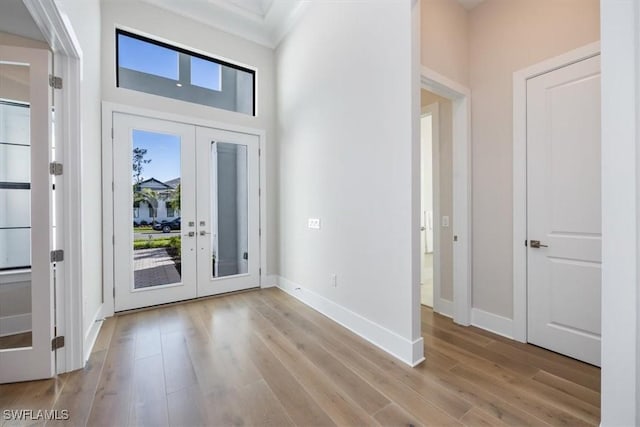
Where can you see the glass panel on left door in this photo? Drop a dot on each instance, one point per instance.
(15, 208)
(156, 187)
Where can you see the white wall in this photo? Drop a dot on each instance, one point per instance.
(348, 122)
(155, 22)
(505, 36)
(620, 215)
(84, 16)
(445, 39)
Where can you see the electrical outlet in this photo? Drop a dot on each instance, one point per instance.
(314, 223)
(334, 280)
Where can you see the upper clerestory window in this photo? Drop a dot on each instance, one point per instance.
(157, 68)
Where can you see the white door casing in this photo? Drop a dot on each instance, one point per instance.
(37, 361)
(563, 210)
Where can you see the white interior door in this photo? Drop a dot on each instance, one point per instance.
(154, 211)
(26, 273)
(228, 211)
(563, 210)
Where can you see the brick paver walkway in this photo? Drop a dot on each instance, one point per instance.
(153, 267)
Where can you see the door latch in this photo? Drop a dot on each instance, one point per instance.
(537, 244)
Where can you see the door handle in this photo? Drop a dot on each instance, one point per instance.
(190, 234)
(203, 233)
(536, 244)
(422, 228)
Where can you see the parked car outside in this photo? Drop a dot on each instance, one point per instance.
(167, 226)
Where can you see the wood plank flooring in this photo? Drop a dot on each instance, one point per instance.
(262, 358)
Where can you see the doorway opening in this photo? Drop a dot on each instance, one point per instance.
(429, 179)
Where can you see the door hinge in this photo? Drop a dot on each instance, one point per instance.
(259, 152)
(55, 168)
(57, 255)
(525, 243)
(55, 82)
(259, 192)
(111, 133)
(260, 271)
(57, 342)
(259, 231)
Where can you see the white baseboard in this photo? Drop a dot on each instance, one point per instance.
(16, 324)
(497, 324)
(92, 334)
(269, 281)
(410, 352)
(444, 307)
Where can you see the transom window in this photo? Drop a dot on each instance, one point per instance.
(158, 68)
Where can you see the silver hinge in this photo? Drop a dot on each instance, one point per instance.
(55, 168)
(259, 231)
(259, 192)
(114, 291)
(57, 342)
(111, 133)
(260, 271)
(55, 82)
(259, 152)
(57, 255)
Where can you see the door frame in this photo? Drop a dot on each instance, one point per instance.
(460, 97)
(108, 109)
(433, 110)
(520, 78)
(68, 296)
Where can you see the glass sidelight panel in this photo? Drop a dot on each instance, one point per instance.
(229, 210)
(156, 186)
(15, 207)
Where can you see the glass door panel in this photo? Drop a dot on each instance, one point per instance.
(155, 249)
(26, 275)
(229, 210)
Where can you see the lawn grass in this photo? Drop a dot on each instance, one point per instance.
(151, 244)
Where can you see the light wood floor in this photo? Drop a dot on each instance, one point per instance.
(263, 358)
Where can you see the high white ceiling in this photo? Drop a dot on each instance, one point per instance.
(469, 4)
(262, 21)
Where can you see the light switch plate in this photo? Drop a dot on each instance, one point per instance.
(314, 223)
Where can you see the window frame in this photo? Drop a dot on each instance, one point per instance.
(180, 50)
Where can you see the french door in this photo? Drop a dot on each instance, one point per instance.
(26, 216)
(186, 214)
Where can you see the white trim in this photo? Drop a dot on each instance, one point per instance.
(520, 176)
(92, 333)
(499, 325)
(270, 281)
(16, 324)
(108, 108)
(446, 308)
(460, 96)
(410, 352)
(69, 293)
